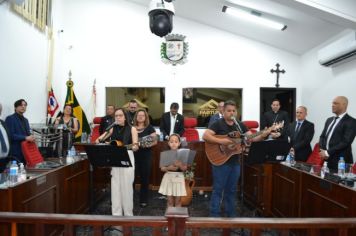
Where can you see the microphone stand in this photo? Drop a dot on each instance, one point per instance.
(236, 124)
(106, 132)
(241, 161)
(102, 140)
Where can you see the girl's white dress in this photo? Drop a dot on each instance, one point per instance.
(173, 184)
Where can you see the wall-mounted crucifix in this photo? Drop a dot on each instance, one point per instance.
(277, 71)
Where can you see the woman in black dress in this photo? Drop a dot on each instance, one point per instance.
(143, 157)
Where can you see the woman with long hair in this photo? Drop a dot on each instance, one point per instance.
(70, 127)
(122, 178)
(143, 157)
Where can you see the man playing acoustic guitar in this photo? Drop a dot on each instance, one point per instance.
(223, 147)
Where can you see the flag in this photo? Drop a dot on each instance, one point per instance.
(92, 104)
(77, 112)
(52, 107)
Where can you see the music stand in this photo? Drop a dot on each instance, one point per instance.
(103, 155)
(268, 151)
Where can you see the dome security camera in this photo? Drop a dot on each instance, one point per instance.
(161, 17)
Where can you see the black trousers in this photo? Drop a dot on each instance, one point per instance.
(143, 165)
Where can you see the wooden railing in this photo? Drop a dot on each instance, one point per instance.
(178, 221)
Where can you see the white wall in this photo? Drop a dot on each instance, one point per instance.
(23, 65)
(110, 40)
(322, 84)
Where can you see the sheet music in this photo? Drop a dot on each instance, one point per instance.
(190, 155)
(170, 156)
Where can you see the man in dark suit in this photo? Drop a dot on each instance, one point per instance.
(301, 133)
(4, 144)
(132, 109)
(172, 122)
(338, 134)
(217, 115)
(108, 119)
(274, 116)
(19, 129)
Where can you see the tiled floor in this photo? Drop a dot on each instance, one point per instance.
(157, 206)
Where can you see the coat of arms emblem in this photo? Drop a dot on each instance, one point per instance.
(174, 51)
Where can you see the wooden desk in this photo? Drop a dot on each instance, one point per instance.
(61, 190)
(257, 187)
(283, 191)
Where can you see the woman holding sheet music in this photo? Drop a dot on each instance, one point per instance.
(122, 178)
(143, 157)
(173, 182)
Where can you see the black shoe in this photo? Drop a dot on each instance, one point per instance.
(143, 204)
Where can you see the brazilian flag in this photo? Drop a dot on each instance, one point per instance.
(77, 112)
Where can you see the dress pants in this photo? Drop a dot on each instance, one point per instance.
(122, 179)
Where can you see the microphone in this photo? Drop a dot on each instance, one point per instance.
(106, 132)
(237, 124)
(234, 120)
(110, 126)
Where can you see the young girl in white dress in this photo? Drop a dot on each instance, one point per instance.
(173, 182)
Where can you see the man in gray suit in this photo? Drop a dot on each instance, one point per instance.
(301, 133)
(338, 134)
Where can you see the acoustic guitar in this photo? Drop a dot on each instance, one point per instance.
(218, 154)
(143, 142)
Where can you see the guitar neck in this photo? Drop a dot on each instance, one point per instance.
(254, 135)
(129, 146)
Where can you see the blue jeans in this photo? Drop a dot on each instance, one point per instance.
(225, 179)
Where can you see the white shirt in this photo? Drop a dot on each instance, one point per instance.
(173, 123)
(332, 131)
(6, 138)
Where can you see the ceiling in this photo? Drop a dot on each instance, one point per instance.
(310, 22)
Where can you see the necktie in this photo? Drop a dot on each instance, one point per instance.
(296, 130)
(3, 144)
(331, 126)
(298, 127)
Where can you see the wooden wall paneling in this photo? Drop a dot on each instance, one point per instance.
(326, 199)
(286, 191)
(76, 187)
(257, 187)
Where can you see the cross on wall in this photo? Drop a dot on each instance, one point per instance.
(277, 71)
